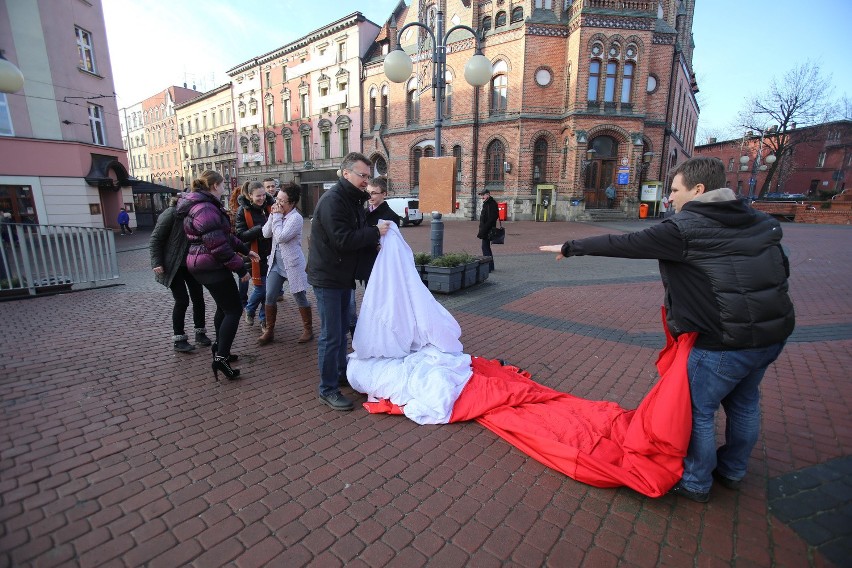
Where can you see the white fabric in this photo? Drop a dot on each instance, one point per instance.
(398, 314)
(287, 257)
(407, 346)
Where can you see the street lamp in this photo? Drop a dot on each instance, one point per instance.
(11, 78)
(477, 71)
(756, 165)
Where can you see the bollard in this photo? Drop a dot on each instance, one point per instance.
(437, 235)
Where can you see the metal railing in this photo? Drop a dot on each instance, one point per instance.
(42, 258)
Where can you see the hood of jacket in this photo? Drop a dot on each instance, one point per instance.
(187, 200)
(723, 206)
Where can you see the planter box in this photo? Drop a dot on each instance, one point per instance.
(421, 270)
(484, 269)
(446, 280)
(471, 271)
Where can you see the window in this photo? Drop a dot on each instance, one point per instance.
(384, 107)
(594, 80)
(270, 151)
(283, 73)
(325, 136)
(609, 86)
(96, 123)
(304, 101)
(540, 161)
(288, 150)
(286, 104)
(495, 155)
(821, 160)
(517, 15)
(344, 141)
(486, 23)
(457, 154)
(372, 108)
(85, 50)
(323, 92)
(306, 146)
(416, 154)
(448, 95)
(205, 122)
(499, 86)
(341, 52)
(341, 88)
(253, 107)
(500, 20)
(270, 113)
(267, 78)
(546, 4)
(731, 165)
(627, 83)
(412, 103)
(5, 117)
(255, 143)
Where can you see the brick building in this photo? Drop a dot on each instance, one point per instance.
(568, 77)
(817, 163)
(299, 106)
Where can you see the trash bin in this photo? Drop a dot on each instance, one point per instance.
(643, 210)
(501, 211)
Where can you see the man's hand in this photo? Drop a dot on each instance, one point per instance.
(383, 227)
(553, 248)
(158, 270)
(246, 277)
(254, 256)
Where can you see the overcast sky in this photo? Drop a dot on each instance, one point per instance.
(740, 45)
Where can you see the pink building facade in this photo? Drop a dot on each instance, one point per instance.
(61, 155)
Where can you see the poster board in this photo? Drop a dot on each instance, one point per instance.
(438, 185)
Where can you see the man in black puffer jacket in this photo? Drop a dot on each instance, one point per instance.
(725, 277)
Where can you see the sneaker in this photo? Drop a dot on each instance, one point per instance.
(691, 495)
(182, 345)
(727, 482)
(337, 401)
(249, 318)
(201, 337)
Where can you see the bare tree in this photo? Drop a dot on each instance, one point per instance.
(803, 97)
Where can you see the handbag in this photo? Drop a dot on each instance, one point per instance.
(497, 235)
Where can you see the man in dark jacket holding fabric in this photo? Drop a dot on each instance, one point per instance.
(339, 233)
(487, 221)
(725, 277)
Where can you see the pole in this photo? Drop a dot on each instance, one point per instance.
(439, 63)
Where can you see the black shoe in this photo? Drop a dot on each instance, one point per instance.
(343, 382)
(691, 495)
(201, 337)
(231, 358)
(221, 364)
(727, 482)
(337, 401)
(182, 345)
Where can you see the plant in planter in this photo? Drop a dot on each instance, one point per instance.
(446, 273)
(421, 259)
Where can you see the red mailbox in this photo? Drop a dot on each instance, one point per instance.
(501, 211)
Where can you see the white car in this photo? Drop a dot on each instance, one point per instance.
(408, 208)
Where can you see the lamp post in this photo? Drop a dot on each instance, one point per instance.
(756, 165)
(477, 71)
(11, 78)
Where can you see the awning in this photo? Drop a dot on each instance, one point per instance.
(99, 173)
(141, 186)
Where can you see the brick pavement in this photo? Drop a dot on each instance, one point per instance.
(114, 450)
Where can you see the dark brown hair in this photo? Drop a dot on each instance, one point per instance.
(704, 170)
(206, 180)
(379, 181)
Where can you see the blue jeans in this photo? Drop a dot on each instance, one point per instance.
(258, 294)
(333, 308)
(730, 379)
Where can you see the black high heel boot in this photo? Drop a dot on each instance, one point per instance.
(221, 364)
(231, 358)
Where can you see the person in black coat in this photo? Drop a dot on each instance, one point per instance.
(487, 221)
(248, 224)
(168, 247)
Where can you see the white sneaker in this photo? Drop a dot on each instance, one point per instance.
(249, 318)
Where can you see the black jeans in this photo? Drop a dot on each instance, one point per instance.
(486, 251)
(223, 289)
(182, 282)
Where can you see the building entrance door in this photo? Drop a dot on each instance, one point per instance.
(601, 171)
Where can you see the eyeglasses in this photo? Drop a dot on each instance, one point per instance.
(374, 193)
(362, 176)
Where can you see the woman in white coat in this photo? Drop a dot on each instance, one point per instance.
(287, 260)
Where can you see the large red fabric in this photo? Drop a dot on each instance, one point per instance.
(594, 442)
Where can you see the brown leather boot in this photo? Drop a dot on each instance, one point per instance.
(308, 323)
(269, 332)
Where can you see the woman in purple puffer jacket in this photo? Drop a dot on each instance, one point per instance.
(214, 255)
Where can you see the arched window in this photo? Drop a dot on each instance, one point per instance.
(500, 20)
(486, 24)
(384, 104)
(373, 102)
(609, 86)
(499, 88)
(627, 83)
(517, 15)
(448, 95)
(416, 154)
(594, 80)
(457, 154)
(380, 166)
(495, 155)
(412, 103)
(429, 152)
(540, 161)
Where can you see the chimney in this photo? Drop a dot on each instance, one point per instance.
(711, 140)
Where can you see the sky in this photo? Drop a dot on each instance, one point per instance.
(740, 45)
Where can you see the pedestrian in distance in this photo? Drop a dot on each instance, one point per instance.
(215, 253)
(286, 260)
(339, 234)
(610, 196)
(487, 221)
(124, 222)
(725, 277)
(251, 216)
(168, 247)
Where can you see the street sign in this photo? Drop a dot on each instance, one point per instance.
(309, 165)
